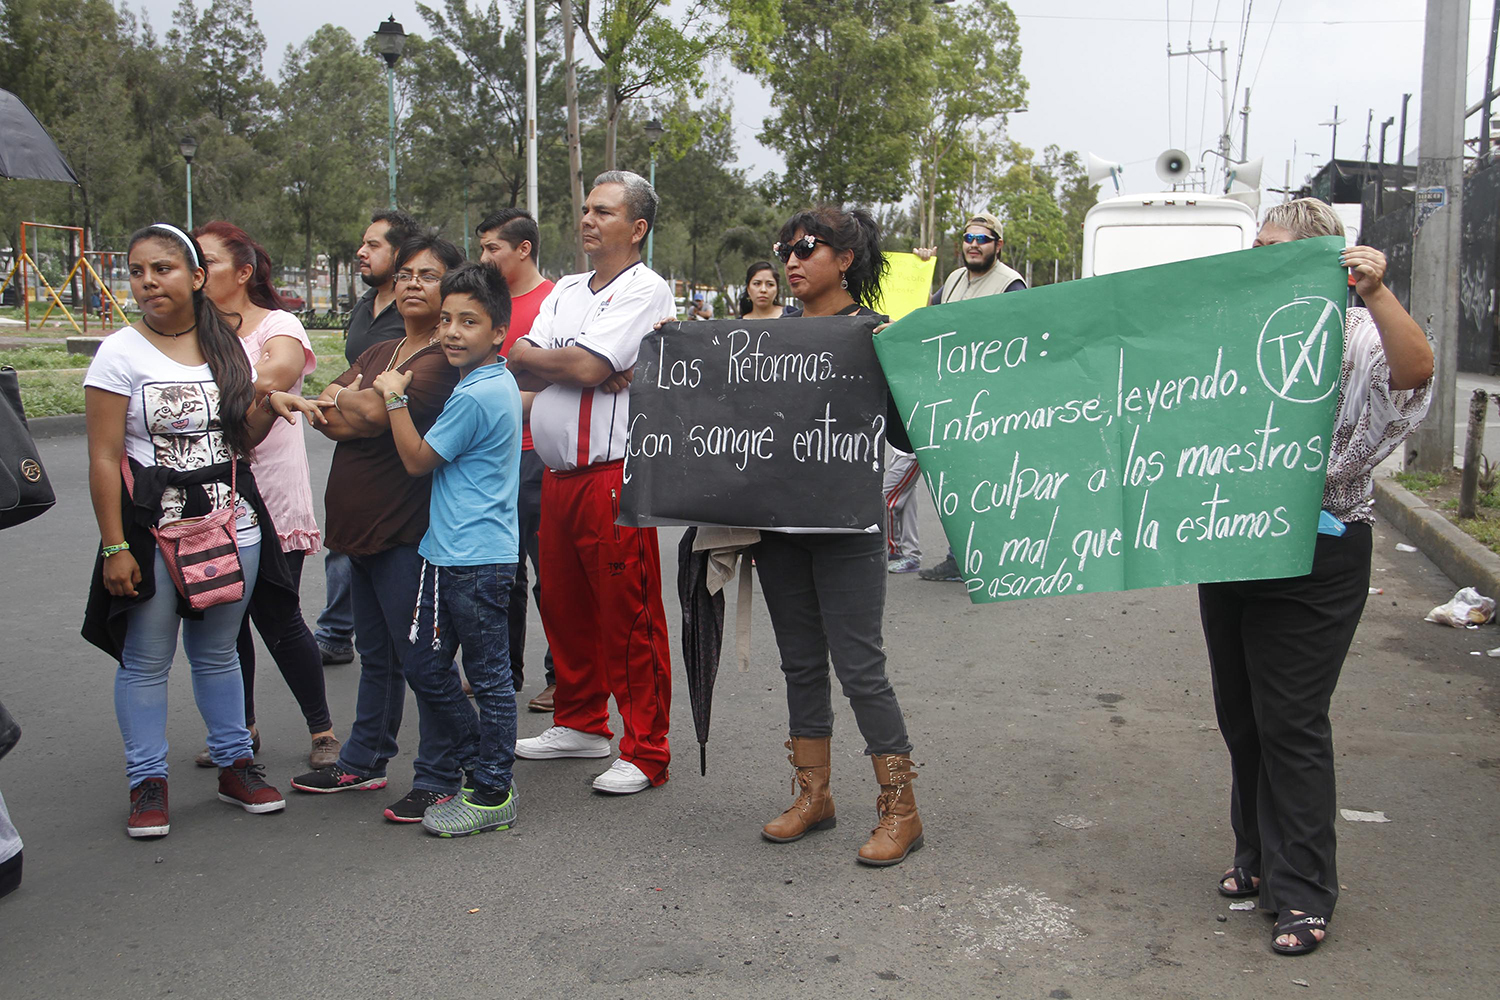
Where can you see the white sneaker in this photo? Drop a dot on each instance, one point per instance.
(560, 741)
(622, 778)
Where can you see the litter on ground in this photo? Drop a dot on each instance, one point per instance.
(1468, 607)
(1358, 816)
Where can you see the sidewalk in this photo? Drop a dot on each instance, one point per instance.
(1462, 558)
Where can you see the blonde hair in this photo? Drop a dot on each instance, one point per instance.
(1305, 218)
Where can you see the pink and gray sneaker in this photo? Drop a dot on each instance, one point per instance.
(335, 779)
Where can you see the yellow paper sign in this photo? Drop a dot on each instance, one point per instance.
(907, 286)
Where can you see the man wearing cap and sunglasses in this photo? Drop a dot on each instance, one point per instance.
(983, 273)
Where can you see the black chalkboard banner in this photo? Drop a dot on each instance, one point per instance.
(773, 424)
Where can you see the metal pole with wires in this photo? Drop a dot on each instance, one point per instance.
(1437, 223)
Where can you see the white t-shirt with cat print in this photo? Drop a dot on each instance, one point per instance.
(172, 418)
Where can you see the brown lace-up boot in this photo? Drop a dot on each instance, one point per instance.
(898, 828)
(813, 809)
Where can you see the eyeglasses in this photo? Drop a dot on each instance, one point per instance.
(803, 248)
(428, 278)
(980, 238)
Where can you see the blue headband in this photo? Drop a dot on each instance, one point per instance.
(193, 254)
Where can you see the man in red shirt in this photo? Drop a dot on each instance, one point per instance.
(508, 240)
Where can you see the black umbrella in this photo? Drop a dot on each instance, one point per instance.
(27, 152)
(702, 636)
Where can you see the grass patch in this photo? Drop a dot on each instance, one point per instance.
(329, 348)
(1421, 482)
(1483, 529)
(42, 356)
(51, 394)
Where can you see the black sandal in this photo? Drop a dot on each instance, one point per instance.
(1301, 928)
(1243, 879)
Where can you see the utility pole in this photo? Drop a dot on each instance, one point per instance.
(1401, 150)
(1245, 126)
(1369, 125)
(1489, 82)
(1438, 224)
(532, 205)
(1380, 193)
(1226, 145)
(575, 148)
(1335, 122)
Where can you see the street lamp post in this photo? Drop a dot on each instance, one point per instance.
(390, 41)
(188, 147)
(654, 130)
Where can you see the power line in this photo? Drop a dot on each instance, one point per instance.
(1315, 21)
(1267, 44)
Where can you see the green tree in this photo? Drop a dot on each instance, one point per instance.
(851, 83)
(221, 53)
(328, 142)
(644, 51)
(977, 79)
(699, 190)
(1036, 232)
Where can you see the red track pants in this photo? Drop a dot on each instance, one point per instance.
(601, 607)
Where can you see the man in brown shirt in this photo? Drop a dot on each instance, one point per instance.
(377, 515)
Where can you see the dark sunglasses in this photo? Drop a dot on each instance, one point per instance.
(803, 248)
(980, 238)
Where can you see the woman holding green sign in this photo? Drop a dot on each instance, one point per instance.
(826, 591)
(1276, 647)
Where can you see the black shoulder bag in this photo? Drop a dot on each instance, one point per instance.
(25, 491)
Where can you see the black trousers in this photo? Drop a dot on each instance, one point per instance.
(278, 619)
(1275, 648)
(529, 516)
(826, 598)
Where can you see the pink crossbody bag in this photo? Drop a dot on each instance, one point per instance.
(202, 553)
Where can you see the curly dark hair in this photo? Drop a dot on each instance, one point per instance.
(852, 229)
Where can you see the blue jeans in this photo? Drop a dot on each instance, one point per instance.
(141, 681)
(335, 628)
(471, 604)
(384, 589)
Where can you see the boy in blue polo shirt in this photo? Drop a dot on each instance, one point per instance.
(471, 549)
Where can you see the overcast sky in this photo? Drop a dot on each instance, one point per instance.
(1101, 81)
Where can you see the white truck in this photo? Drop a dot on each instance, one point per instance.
(1130, 231)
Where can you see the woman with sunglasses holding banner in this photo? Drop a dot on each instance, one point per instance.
(826, 591)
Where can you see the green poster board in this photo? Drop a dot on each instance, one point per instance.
(1161, 426)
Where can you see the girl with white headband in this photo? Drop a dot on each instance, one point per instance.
(174, 394)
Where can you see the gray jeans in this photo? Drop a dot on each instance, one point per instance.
(826, 596)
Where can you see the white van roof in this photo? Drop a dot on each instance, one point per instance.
(1142, 230)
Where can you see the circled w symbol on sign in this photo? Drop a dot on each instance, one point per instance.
(1295, 362)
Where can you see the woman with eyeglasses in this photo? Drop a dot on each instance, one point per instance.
(826, 591)
(762, 295)
(377, 515)
(239, 283)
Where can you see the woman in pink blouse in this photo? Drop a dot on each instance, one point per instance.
(1275, 647)
(239, 283)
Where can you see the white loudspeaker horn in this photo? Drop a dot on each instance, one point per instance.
(1246, 174)
(1251, 198)
(1173, 166)
(1100, 169)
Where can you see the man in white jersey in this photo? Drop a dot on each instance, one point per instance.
(601, 583)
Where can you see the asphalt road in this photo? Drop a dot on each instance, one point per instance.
(1072, 783)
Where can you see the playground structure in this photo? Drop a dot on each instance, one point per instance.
(26, 267)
